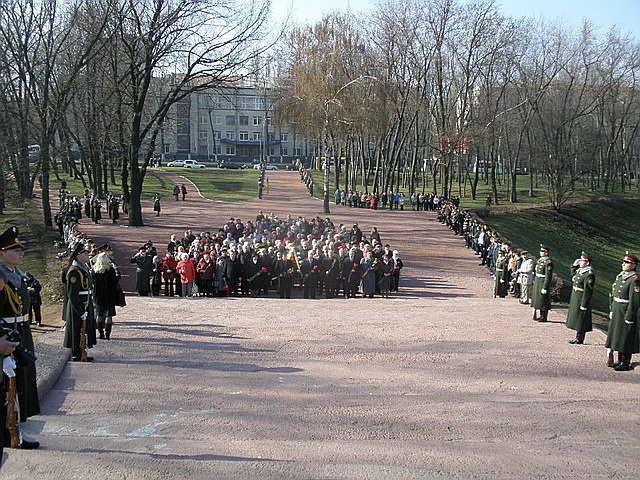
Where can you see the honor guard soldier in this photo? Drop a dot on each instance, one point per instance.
(579, 316)
(80, 326)
(622, 336)
(541, 292)
(22, 398)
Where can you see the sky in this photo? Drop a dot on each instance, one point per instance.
(602, 13)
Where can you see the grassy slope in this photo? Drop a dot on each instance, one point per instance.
(603, 229)
(215, 184)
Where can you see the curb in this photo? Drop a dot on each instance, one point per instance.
(52, 359)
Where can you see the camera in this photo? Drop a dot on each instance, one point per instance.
(22, 356)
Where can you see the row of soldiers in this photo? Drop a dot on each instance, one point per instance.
(72, 206)
(623, 335)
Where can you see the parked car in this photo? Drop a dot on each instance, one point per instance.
(176, 163)
(193, 164)
(271, 167)
(233, 166)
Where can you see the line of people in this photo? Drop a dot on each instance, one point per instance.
(532, 281)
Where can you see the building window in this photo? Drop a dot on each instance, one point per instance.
(258, 103)
(202, 135)
(230, 135)
(272, 137)
(257, 121)
(215, 102)
(204, 119)
(244, 103)
(217, 135)
(284, 137)
(284, 151)
(272, 151)
(243, 120)
(231, 150)
(230, 120)
(166, 149)
(217, 119)
(297, 152)
(244, 136)
(257, 136)
(269, 121)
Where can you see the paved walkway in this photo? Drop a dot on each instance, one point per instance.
(439, 381)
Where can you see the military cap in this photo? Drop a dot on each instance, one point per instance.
(104, 248)
(544, 248)
(80, 248)
(585, 256)
(630, 258)
(9, 240)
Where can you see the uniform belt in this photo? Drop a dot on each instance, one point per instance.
(16, 319)
(84, 292)
(578, 289)
(540, 275)
(620, 300)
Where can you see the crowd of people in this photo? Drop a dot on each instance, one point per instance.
(271, 254)
(519, 273)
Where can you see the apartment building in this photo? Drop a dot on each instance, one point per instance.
(230, 125)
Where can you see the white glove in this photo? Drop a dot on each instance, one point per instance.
(543, 291)
(584, 309)
(628, 322)
(8, 367)
(501, 281)
(610, 315)
(84, 316)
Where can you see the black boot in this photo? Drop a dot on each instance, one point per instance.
(101, 330)
(579, 340)
(108, 330)
(624, 362)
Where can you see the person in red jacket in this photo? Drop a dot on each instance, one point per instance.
(187, 270)
(206, 273)
(169, 274)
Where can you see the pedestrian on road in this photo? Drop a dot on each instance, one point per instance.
(183, 190)
(176, 191)
(156, 204)
(579, 316)
(525, 277)
(622, 336)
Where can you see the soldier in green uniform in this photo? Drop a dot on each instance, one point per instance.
(78, 305)
(579, 316)
(622, 336)
(541, 294)
(14, 316)
(501, 284)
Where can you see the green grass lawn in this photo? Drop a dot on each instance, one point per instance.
(604, 229)
(215, 184)
(219, 184)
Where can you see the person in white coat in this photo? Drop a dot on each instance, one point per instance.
(525, 277)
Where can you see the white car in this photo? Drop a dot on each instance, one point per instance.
(193, 164)
(176, 163)
(271, 167)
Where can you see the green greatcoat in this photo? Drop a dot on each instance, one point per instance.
(26, 384)
(582, 292)
(78, 280)
(144, 267)
(542, 281)
(501, 287)
(625, 301)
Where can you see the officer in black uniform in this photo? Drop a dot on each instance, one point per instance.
(15, 308)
